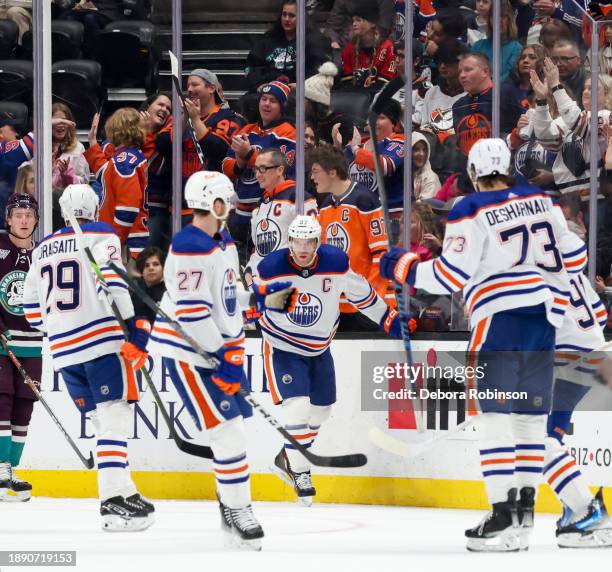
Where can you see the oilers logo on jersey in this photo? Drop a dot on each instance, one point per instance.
(229, 292)
(337, 236)
(267, 236)
(363, 175)
(308, 310)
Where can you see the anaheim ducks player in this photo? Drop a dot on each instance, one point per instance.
(298, 364)
(201, 275)
(272, 217)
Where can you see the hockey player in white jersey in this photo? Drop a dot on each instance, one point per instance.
(508, 248)
(298, 364)
(585, 522)
(201, 275)
(271, 219)
(88, 348)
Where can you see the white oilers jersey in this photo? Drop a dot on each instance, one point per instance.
(506, 249)
(271, 219)
(63, 298)
(311, 327)
(201, 276)
(582, 329)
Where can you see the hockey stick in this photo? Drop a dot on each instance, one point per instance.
(402, 303)
(87, 461)
(176, 80)
(338, 461)
(202, 451)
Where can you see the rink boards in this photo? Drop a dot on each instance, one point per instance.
(445, 476)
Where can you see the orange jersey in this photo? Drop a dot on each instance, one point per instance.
(355, 224)
(123, 178)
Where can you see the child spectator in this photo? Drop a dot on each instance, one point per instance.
(477, 30)
(25, 180)
(426, 183)
(150, 266)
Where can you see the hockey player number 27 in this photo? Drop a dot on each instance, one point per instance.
(542, 228)
(67, 279)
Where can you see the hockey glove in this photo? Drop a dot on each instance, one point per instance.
(135, 348)
(251, 315)
(277, 297)
(230, 370)
(399, 265)
(390, 323)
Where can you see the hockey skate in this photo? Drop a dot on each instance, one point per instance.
(12, 488)
(499, 530)
(525, 509)
(141, 501)
(593, 530)
(123, 515)
(241, 528)
(301, 482)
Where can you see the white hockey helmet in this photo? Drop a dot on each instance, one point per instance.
(80, 200)
(205, 187)
(306, 227)
(488, 157)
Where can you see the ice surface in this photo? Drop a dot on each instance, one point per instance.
(325, 537)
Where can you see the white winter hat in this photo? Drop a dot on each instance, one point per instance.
(318, 87)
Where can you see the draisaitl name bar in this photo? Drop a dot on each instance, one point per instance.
(471, 393)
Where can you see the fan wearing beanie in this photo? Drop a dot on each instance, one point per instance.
(272, 131)
(318, 106)
(368, 60)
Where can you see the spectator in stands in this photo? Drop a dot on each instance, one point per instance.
(605, 51)
(552, 32)
(510, 46)
(69, 165)
(156, 113)
(426, 183)
(274, 57)
(472, 113)
(318, 106)
(271, 219)
(311, 139)
(445, 27)
(25, 179)
(570, 206)
(150, 265)
(368, 60)
(121, 170)
(477, 29)
(7, 127)
(425, 231)
(351, 219)
(436, 114)
(391, 149)
(572, 73)
(272, 130)
(531, 58)
(94, 15)
(338, 27)
(420, 77)
(543, 12)
(20, 11)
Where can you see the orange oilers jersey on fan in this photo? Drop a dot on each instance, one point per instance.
(123, 178)
(354, 223)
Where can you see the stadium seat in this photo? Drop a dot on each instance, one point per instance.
(66, 41)
(137, 9)
(16, 81)
(9, 32)
(353, 104)
(126, 51)
(18, 112)
(78, 84)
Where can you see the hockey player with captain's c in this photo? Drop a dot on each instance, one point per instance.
(508, 247)
(298, 364)
(16, 398)
(89, 350)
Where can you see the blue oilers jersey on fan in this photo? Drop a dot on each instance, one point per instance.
(201, 275)
(310, 328)
(506, 249)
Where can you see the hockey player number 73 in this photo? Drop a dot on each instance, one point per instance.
(66, 278)
(526, 234)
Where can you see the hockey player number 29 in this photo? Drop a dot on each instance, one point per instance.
(67, 279)
(549, 245)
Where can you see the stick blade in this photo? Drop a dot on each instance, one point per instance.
(202, 451)
(90, 463)
(173, 63)
(339, 461)
(388, 443)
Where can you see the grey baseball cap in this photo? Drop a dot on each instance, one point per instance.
(209, 77)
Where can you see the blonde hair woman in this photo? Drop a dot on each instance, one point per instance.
(69, 165)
